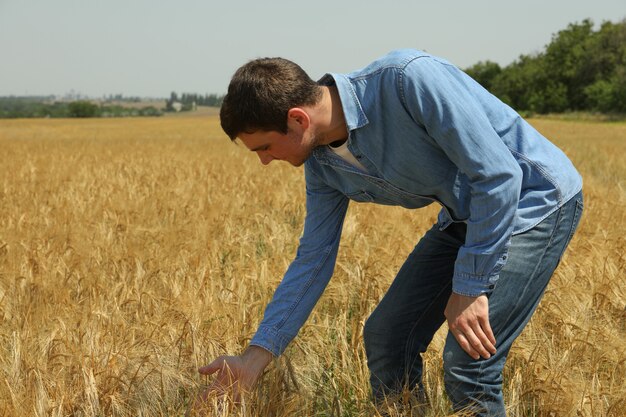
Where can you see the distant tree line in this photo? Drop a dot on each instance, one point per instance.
(87, 109)
(48, 106)
(580, 70)
(13, 107)
(188, 101)
(27, 107)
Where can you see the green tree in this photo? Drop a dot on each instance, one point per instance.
(607, 65)
(514, 84)
(600, 96)
(484, 72)
(565, 62)
(82, 108)
(580, 69)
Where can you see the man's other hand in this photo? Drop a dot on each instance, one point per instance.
(468, 321)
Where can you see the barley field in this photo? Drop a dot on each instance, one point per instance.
(133, 251)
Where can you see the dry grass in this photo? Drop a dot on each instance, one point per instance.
(133, 251)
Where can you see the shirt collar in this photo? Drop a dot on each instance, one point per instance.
(352, 110)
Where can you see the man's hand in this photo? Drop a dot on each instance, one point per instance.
(468, 321)
(236, 376)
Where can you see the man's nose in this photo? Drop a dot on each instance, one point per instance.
(265, 157)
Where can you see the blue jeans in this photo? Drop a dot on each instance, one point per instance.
(404, 323)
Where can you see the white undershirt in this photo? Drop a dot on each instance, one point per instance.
(344, 153)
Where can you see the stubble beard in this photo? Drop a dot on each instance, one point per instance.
(315, 141)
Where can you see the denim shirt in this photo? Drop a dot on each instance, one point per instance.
(426, 133)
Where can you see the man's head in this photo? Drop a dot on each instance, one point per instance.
(262, 92)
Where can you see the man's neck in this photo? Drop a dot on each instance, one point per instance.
(330, 123)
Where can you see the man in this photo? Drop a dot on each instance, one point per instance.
(410, 129)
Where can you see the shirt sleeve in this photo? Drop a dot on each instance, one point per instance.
(310, 271)
(440, 98)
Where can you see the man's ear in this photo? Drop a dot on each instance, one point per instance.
(298, 119)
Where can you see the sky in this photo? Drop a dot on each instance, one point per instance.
(149, 48)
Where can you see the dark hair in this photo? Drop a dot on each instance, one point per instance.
(261, 93)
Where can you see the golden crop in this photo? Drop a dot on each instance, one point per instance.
(133, 251)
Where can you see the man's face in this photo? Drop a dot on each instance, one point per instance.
(292, 147)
